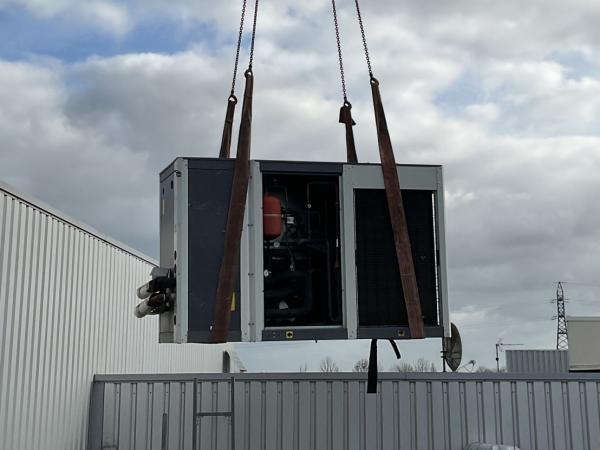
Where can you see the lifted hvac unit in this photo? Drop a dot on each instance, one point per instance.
(317, 257)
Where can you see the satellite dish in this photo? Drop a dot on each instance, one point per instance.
(452, 348)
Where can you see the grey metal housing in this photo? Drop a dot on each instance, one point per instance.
(194, 204)
(537, 361)
(333, 412)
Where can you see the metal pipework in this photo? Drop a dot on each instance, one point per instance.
(158, 293)
(156, 304)
(142, 310)
(145, 291)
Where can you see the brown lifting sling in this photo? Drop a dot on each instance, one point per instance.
(233, 232)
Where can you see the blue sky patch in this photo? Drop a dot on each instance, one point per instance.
(466, 90)
(578, 64)
(23, 35)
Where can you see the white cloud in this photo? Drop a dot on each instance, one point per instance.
(484, 112)
(521, 158)
(539, 97)
(74, 169)
(110, 16)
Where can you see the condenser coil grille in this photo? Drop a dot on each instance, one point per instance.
(379, 290)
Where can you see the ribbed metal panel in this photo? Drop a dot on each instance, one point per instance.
(333, 411)
(537, 361)
(66, 313)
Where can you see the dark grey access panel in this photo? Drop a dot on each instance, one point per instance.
(209, 190)
(379, 289)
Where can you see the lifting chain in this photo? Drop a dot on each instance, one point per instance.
(225, 150)
(253, 35)
(364, 38)
(239, 46)
(339, 49)
(346, 109)
(239, 42)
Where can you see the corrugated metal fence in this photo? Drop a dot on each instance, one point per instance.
(333, 411)
(66, 314)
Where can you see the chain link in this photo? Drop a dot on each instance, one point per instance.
(239, 46)
(364, 38)
(253, 34)
(339, 49)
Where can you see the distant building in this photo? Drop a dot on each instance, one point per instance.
(584, 351)
(537, 361)
(583, 354)
(66, 314)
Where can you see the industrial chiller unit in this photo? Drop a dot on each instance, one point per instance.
(283, 250)
(317, 258)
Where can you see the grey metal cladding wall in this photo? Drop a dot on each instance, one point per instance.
(537, 361)
(66, 313)
(318, 411)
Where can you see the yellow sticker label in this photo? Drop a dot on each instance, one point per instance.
(233, 302)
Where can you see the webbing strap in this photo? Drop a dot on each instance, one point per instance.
(237, 204)
(228, 127)
(346, 119)
(373, 371)
(235, 220)
(398, 219)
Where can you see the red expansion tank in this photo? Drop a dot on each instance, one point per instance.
(272, 225)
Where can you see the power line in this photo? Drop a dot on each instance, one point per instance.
(581, 284)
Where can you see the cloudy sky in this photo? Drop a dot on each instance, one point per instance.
(98, 96)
